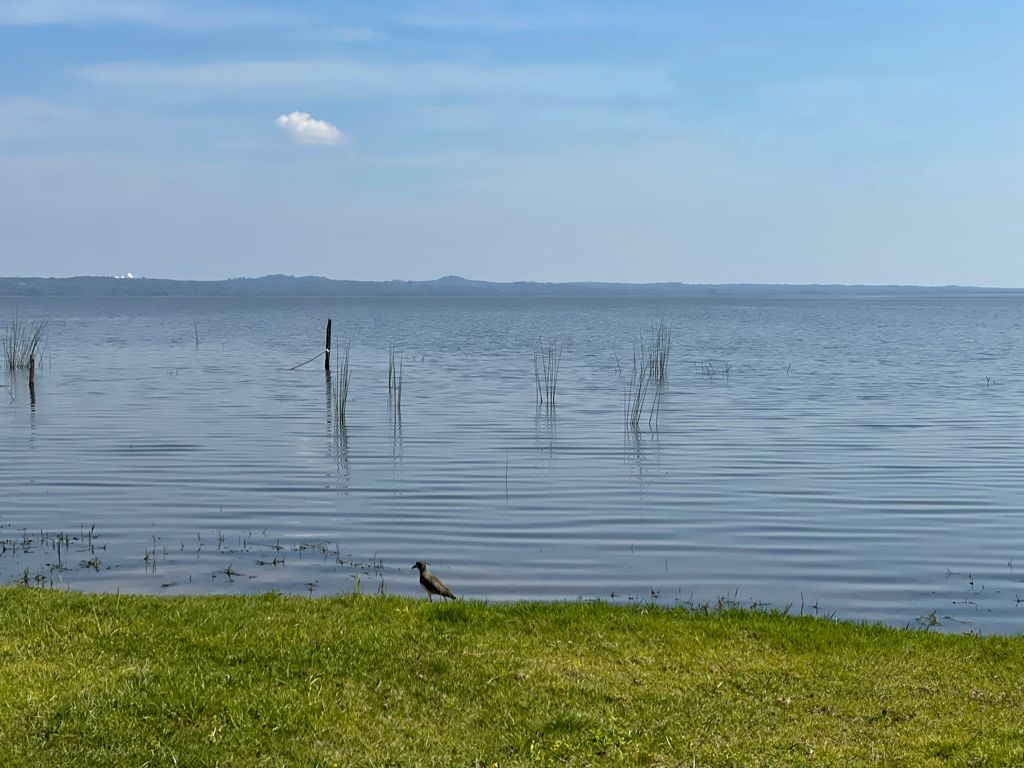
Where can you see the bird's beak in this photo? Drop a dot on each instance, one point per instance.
(414, 567)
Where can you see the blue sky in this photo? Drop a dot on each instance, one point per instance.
(855, 141)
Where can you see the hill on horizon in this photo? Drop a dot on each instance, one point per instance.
(448, 285)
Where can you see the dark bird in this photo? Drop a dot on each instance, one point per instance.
(431, 583)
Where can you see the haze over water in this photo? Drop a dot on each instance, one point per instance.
(863, 456)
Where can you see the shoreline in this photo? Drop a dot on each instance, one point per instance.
(365, 680)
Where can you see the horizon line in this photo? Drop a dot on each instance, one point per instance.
(455, 279)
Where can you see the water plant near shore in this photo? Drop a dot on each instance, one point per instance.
(340, 389)
(661, 345)
(636, 394)
(22, 341)
(396, 379)
(547, 358)
(649, 376)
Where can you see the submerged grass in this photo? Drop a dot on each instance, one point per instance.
(359, 681)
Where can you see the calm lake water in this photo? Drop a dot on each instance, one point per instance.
(863, 456)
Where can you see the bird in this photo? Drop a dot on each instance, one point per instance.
(431, 583)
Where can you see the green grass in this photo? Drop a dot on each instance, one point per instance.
(22, 340)
(101, 680)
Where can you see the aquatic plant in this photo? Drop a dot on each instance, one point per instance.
(22, 341)
(649, 376)
(636, 394)
(660, 347)
(547, 358)
(657, 365)
(396, 378)
(340, 389)
(709, 369)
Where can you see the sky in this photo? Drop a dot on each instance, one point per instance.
(823, 141)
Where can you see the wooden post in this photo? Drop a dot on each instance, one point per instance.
(32, 377)
(327, 348)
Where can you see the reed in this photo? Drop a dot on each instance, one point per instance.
(22, 341)
(660, 348)
(657, 365)
(396, 379)
(709, 369)
(547, 358)
(341, 389)
(636, 393)
(648, 378)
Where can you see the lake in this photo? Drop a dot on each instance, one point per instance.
(852, 456)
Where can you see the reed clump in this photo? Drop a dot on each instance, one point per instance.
(709, 369)
(648, 378)
(660, 347)
(547, 358)
(22, 342)
(340, 389)
(396, 380)
(636, 393)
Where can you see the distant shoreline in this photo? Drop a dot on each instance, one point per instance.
(312, 287)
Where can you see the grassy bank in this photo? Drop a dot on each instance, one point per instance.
(237, 681)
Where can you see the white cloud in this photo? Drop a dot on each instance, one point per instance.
(303, 128)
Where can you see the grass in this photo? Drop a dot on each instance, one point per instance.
(102, 680)
(661, 345)
(21, 341)
(547, 358)
(650, 372)
(636, 393)
(340, 391)
(396, 378)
